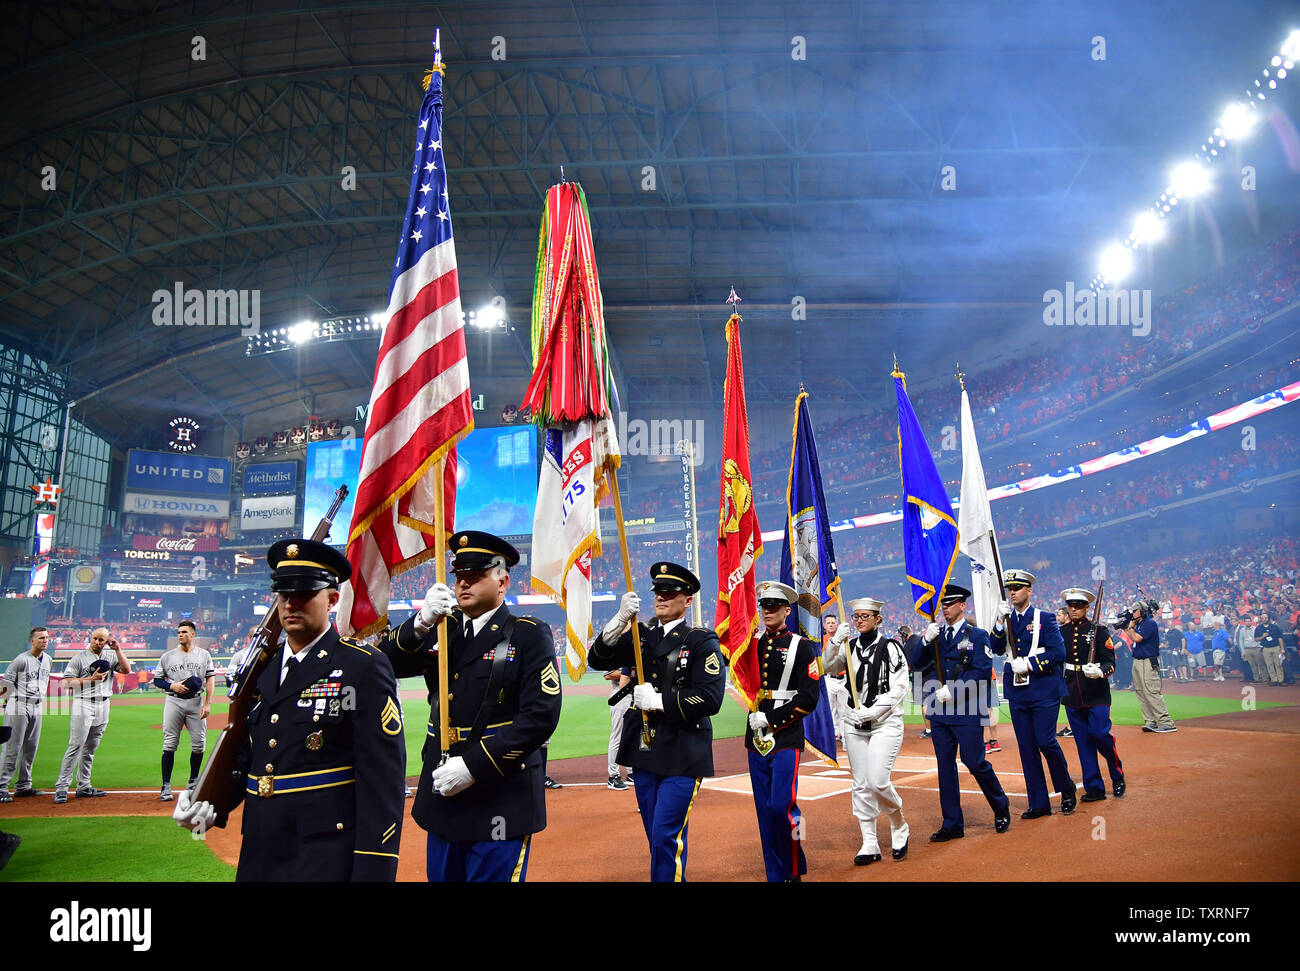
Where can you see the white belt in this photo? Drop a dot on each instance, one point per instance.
(1073, 667)
(777, 694)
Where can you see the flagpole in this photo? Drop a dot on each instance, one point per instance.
(848, 655)
(440, 576)
(696, 607)
(627, 580)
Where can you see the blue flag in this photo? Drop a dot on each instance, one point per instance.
(929, 529)
(808, 565)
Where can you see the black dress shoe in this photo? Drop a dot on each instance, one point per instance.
(1002, 823)
(1035, 813)
(863, 859)
(899, 854)
(1091, 796)
(944, 835)
(1068, 804)
(1120, 788)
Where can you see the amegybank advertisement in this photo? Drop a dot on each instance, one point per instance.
(268, 512)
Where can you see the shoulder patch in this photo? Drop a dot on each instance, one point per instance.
(390, 719)
(550, 680)
(815, 669)
(713, 665)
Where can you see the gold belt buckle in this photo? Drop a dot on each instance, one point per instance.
(265, 786)
(454, 734)
(765, 694)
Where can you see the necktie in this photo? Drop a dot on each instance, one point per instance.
(469, 629)
(289, 667)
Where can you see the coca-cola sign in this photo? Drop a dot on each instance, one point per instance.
(176, 544)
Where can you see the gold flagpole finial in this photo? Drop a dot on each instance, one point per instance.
(733, 298)
(961, 376)
(437, 59)
(897, 373)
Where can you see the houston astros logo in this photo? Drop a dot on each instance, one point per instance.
(737, 499)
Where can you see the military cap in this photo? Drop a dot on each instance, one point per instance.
(1022, 577)
(305, 566)
(673, 578)
(1075, 594)
(473, 549)
(866, 603)
(772, 590)
(954, 594)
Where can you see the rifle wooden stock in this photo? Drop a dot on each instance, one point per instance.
(1096, 619)
(219, 782)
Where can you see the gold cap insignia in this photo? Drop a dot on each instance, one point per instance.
(664, 568)
(464, 541)
(291, 550)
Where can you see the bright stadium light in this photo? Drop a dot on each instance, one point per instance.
(1189, 179)
(300, 332)
(1238, 121)
(1291, 46)
(1115, 263)
(490, 316)
(1147, 228)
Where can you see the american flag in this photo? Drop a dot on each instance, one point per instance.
(420, 403)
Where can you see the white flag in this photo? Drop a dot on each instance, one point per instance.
(975, 523)
(566, 524)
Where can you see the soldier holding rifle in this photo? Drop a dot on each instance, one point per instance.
(1089, 662)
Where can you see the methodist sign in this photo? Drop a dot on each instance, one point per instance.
(270, 479)
(168, 472)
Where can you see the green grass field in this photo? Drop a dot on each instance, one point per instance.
(127, 849)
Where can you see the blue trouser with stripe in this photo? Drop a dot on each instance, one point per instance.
(1035, 727)
(1092, 734)
(665, 802)
(775, 781)
(487, 861)
(970, 738)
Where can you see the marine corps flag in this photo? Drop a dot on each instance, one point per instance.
(930, 536)
(739, 538)
(808, 565)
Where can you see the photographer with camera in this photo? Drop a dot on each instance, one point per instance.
(1139, 621)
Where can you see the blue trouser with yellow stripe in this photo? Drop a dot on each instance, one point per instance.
(775, 781)
(1091, 727)
(665, 802)
(485, 861)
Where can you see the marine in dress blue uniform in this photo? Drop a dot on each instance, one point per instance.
(774, 735)
(325, 759)
(956, 714)
(1087, 697)
(685, 681)
(1035, 702)
(482, 807)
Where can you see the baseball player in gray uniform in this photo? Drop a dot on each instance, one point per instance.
(89, 678)
(26, 679)
(187, 674)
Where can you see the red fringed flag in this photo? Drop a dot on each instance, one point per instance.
(569, 400)
(739, 538)
(420, 403)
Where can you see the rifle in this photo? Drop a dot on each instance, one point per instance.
(1096, 619)
(219, 782)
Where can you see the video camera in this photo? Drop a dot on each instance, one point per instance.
(1149, 608)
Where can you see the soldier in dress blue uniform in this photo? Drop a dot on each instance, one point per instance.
(483, 805)
(1087, 698)
(788, 667)
(957, 709)
(1033, 686)
(325, 760)
(685, 682)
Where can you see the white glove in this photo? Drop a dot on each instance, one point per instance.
(647, 698)
(1092, 671)
(1019, 665)
(194, 816)
(853, 716)
(628, 608)
(842, 634)
(943, 696)
(758, 722)
(440, 601)
(930, 634)
(1004, 610)
(452, 776)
